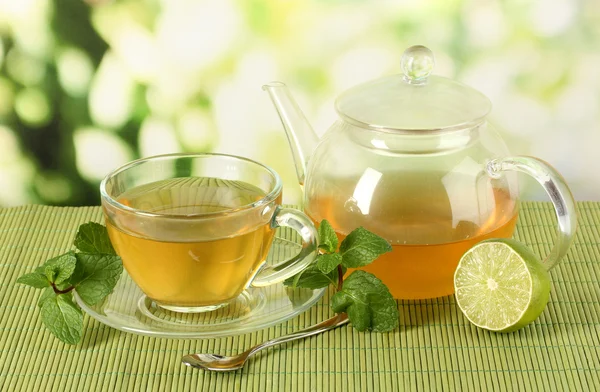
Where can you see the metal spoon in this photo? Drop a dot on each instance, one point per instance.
(220, 363)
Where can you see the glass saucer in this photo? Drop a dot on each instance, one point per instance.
(129, 310)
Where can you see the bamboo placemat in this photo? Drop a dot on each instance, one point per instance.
(435, 347)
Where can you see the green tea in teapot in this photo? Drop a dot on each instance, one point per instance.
(429, 225)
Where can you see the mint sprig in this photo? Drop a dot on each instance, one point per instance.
(92, 272)
(364, 297)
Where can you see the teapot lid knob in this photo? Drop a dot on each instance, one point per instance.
(417, 64)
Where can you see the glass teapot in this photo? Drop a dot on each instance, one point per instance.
(413, 159)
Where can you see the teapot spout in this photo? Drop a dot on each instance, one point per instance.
(300, 134)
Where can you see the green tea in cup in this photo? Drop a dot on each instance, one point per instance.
(194, 231)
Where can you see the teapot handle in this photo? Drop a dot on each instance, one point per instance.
(555, 187)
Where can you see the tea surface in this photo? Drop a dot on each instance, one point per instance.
(192, 273)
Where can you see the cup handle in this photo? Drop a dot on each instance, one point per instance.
(287, 217)
(555, 187)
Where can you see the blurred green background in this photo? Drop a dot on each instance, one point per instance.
(88, 86)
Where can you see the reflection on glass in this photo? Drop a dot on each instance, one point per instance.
(379, 143)
(468, 201)
(363, 193)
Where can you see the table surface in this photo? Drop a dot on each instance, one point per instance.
(435, 347)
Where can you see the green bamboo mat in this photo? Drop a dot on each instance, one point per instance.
(435, 347)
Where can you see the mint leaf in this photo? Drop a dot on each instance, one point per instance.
(328, 240)
(60, 268)
(46, 294)
(328, 262)
(312, 278)
(96, 275)
(368, 303)
(361, 247)
(93, 238)
(63, 318)
(34, 279)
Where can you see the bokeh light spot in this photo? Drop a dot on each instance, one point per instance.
(97, 152)
(192, 34)
(123, 27)
(361, 64)
(53, 187)
(18, 10)
(15, 180)
(9, 146)
(111, 94)
(75, 70)
(552, 17)
(137, 49)
(157, 137)
(485, 23)
(32, 107)
(24, 68)
(196, 130)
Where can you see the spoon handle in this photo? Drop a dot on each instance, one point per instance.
(333, 322)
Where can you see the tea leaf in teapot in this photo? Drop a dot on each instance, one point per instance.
(368, 303)
(328, 262)
(361, 247)
(328, 240)
(93, 238)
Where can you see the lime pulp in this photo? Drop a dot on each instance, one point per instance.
(501, 285)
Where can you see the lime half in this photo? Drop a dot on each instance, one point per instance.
(501, 285)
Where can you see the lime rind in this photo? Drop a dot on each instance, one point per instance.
(501, 285)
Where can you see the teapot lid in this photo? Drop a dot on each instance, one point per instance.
(414, 100)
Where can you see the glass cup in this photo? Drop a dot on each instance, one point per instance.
(194, 230)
